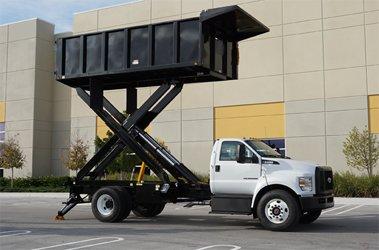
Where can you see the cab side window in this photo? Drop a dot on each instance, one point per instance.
(229, 151)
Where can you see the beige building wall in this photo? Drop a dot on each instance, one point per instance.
(320, 58)
(26, 70)
(61, 119)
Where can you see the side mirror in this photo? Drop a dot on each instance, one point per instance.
(241, 156)
(255, 159)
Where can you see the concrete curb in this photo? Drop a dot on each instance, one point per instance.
(34, 195)
(356, 201)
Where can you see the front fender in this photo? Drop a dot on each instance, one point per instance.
(287, 180)
(262, 182)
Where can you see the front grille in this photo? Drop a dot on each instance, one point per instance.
(324, 180)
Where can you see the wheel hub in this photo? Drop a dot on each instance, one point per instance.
(105, 204)
(109, 204)
(277, 211)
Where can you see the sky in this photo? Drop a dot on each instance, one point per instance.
(58, 12)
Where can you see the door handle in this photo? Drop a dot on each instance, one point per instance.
(217, 168)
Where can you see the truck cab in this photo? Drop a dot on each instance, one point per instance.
(249, 177)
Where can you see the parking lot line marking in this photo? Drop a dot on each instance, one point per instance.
(336, 208)
(342, 212)
(14, 233)
(233, 247)
(97, 244)
(115, 239)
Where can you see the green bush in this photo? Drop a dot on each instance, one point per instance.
(348, 184)
(35, 184)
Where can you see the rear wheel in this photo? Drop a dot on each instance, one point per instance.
(109, 204)
(148, 210)
(128, 202)
(310, 216)
(278, 210)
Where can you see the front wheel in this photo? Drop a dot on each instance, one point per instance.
(278, 210)
(310, 216)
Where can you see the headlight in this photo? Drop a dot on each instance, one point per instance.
(305, 183)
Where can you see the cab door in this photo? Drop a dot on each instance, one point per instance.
(230, 176)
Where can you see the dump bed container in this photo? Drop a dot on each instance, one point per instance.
(190, 50)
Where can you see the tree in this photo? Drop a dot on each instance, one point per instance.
(11, 156)
(124, 162)
(77, 155)
(361, 150)
(127, 160)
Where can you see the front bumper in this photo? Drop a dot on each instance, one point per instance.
(317, 202)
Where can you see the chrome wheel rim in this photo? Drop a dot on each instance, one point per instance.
(277, 211)
(105, 204)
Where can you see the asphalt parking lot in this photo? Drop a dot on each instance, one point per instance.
(26, 222)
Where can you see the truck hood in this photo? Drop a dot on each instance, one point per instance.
(287, 172)
(280, 164)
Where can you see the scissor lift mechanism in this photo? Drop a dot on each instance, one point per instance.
(130, 132)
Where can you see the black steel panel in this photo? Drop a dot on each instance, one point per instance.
(139, 47)
(58, 57)
(189, 40)
(176, 42)
(234, 21)
(163, 44)
(93, 53)
(72, 56)
(219, 55)
(231, 204)
(207, 37)
(229, 60)
(116, 50)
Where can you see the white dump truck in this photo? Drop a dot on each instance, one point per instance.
(246, 176)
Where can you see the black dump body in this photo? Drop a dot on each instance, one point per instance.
(166, 55)
(191, 50)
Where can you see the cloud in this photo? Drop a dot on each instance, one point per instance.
(58, 12)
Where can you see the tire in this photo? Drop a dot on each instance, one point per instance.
(278, 210)
(128, 202)
(148, 210)
(109, 204)
(310, 217)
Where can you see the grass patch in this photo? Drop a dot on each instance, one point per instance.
(35, 184)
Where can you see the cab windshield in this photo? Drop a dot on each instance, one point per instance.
(263, 149)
